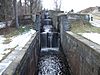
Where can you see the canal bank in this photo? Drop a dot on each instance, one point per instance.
(38, 57)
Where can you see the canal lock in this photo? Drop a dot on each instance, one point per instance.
(51, 58)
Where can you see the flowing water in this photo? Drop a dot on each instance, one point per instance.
(52, 63)
(51, 60)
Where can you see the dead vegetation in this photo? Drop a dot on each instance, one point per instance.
(86, 27)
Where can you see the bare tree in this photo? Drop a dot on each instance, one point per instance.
(25, 6)
(57, 4)
(5, 9)
(20, 7)
(19, 10)
(34, 5)
(16, 13)
(5, 12)
(31, 4)
(39, 6)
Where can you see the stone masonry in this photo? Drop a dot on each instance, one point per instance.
(83, 55)
(25, 63)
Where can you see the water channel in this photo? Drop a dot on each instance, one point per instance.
(51, 59)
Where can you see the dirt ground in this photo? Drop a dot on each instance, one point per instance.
(5, 31)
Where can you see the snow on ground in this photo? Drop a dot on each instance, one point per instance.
(2, 25)
(16, 41)
(21, 40)
(1, 39)
(95, 37)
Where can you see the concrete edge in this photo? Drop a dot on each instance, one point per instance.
(12, 67)
(85, 41)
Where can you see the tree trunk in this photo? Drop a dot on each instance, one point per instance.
(25, 7)
(20, 7)
(31, 4)
(16, 13)
(5, 12)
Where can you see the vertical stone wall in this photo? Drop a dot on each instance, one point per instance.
(64, 24)
(54, 16)
(83, 55)
(26, 62)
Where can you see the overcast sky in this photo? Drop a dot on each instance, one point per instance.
(67, 5)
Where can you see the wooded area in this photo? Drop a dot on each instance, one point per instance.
(13, 9)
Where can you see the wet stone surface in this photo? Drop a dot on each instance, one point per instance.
(51, 62)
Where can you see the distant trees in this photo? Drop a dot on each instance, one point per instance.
(19, 5)
(11, 9)
(32, 6)
(72, 11)
(5, 9)
(57, 4)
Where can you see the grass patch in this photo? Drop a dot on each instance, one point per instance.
(86, 27)
(14, 31)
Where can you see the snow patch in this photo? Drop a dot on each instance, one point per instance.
(95, 23)
(2, 39)
(17, 41)
(95, 37)
(2, 25)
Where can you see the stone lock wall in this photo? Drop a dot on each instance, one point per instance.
(83, 55)
(54, 16)
(25, 63)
